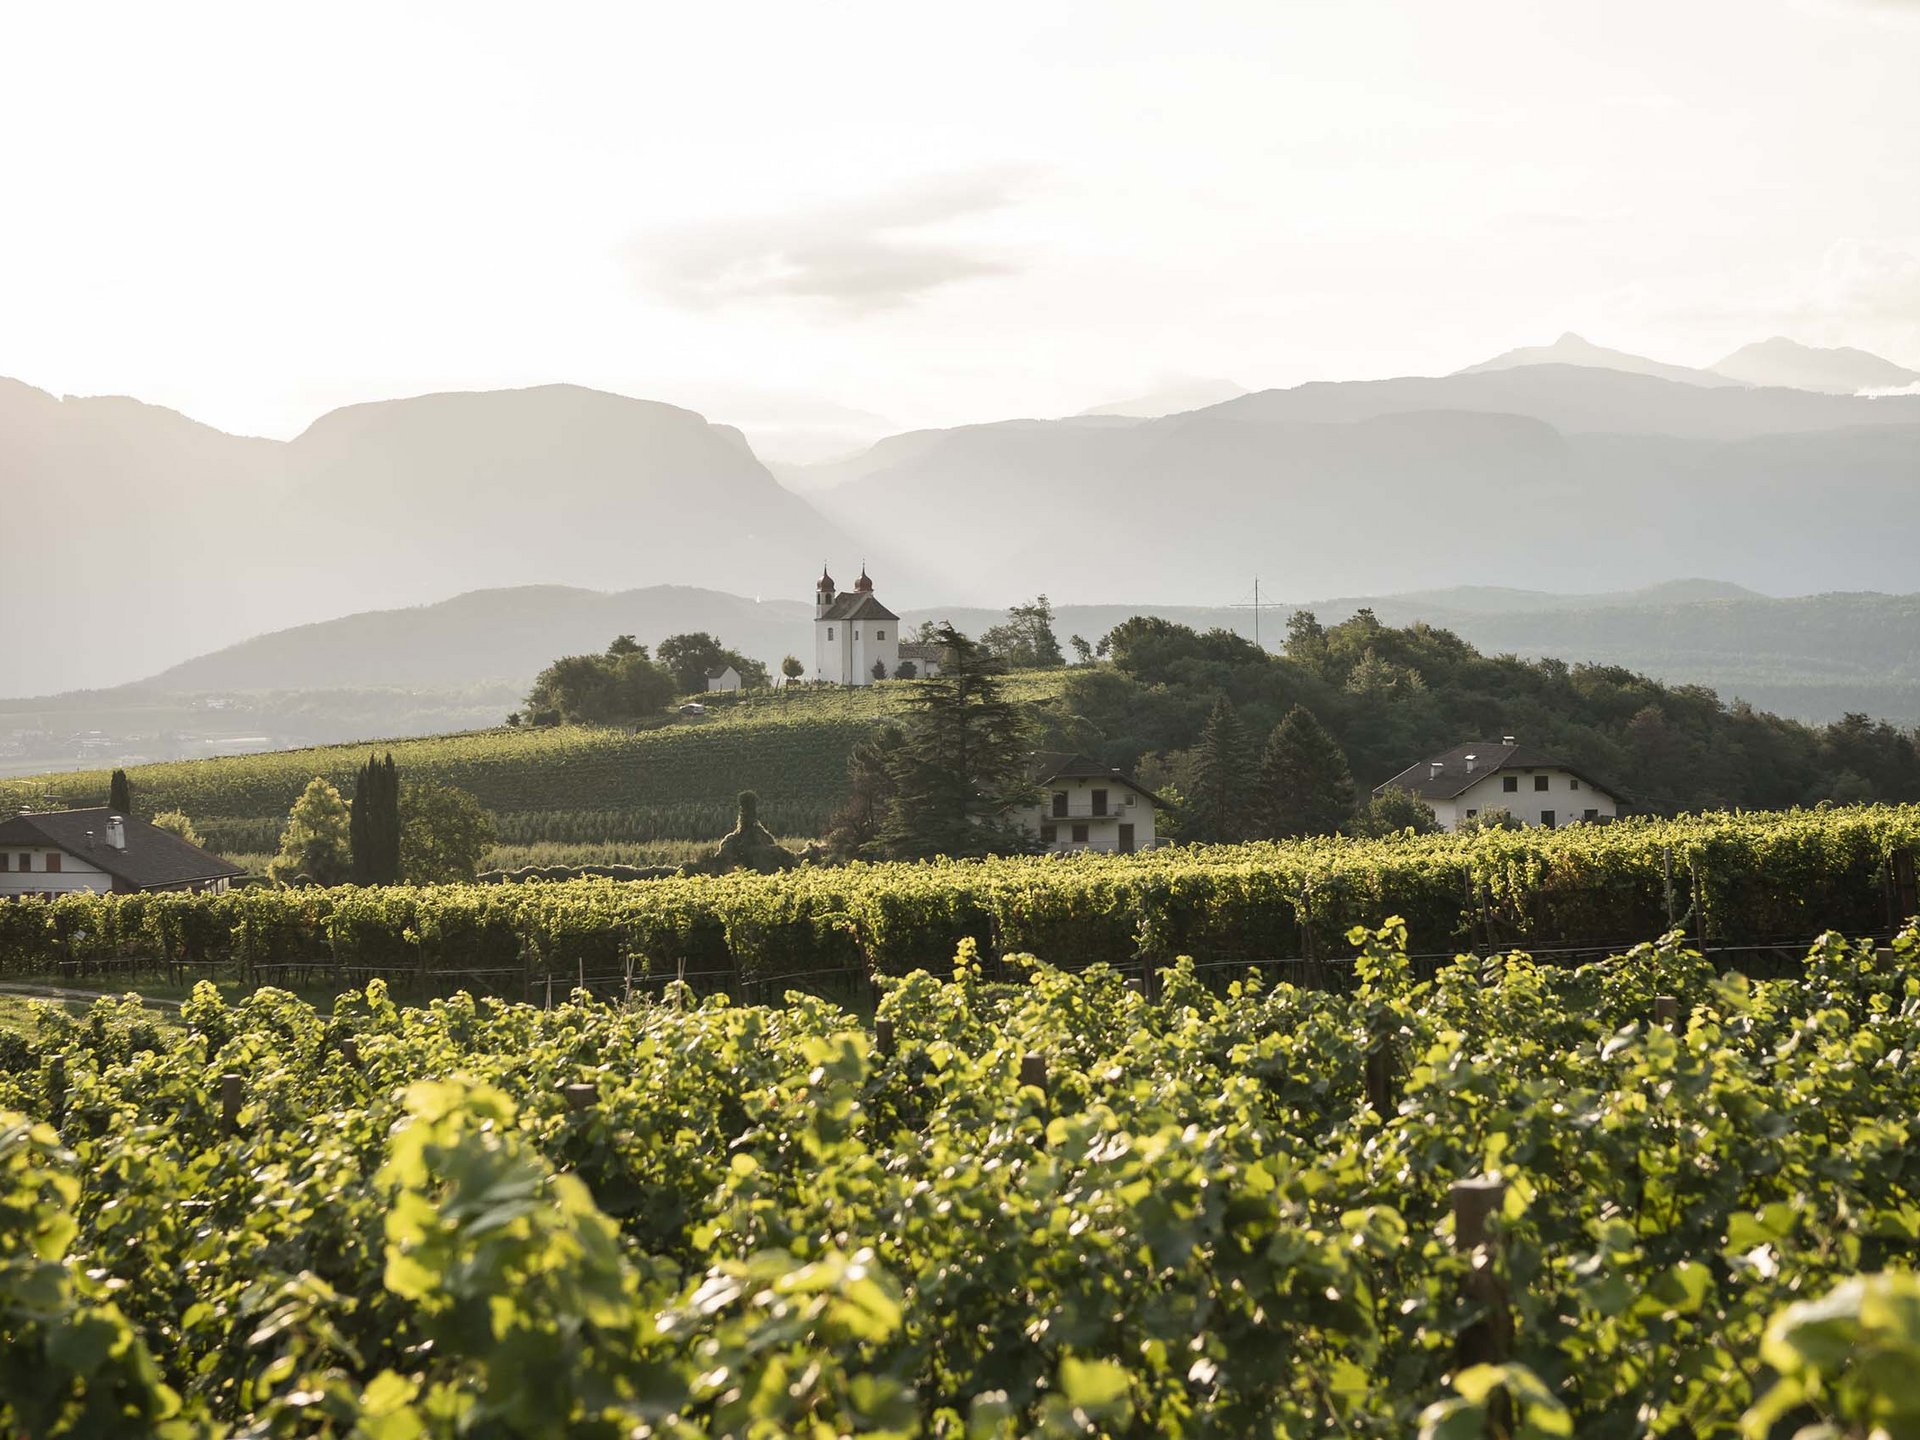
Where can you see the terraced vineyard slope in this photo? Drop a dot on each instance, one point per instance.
(678, 780)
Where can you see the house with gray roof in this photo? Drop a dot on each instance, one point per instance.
(58, 852)
(1470, 780)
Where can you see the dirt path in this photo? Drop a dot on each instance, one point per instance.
(61, 992)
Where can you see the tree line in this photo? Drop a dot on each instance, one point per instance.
(625, 682)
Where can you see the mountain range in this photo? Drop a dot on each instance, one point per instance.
(148, 538)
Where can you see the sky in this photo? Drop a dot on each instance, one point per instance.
(825, 223)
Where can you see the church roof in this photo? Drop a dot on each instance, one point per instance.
(857, 605)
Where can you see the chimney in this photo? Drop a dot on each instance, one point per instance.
(116, 832)
(1472, 762)
(1434, 767)
(1508, 740)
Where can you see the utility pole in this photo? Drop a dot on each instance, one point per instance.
(1255, 607)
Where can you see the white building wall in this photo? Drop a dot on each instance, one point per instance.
(1125, 806)
(874, 640)
(75, 873)
(1567, 797)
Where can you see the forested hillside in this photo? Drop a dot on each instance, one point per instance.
(1393, 696)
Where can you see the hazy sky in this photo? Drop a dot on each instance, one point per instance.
(853, 217)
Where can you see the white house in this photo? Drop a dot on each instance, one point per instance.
(927, 659)
(853, 634)
(1470, 780)
(61, 851)
(1087, 806)
(723, 679)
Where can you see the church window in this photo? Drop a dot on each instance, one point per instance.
(829, 632)
(856, 632)
(879, 634)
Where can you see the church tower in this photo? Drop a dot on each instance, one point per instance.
(823, 592)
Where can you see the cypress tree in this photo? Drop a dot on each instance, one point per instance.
(374, 826)
(120, 795)
(1305, 785)
(1220, 807)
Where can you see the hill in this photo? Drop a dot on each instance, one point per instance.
(678, 780)
(165, 538)
(1844, 371)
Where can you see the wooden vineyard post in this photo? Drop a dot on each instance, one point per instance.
(1666, 880)
(883, 1037)
(1489, 1339)
(232, 1090)
(1666, 1010)
(1033, 1071)
(350, 1051)
(1906, 888)
(580, 1097)
(1379, 1073)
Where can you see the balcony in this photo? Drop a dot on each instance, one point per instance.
(1050, 816)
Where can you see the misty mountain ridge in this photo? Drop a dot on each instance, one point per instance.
(168, 539)
(1571, 349)
(1842, 371)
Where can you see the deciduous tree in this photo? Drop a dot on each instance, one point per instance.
(443, 833)
(316, 843)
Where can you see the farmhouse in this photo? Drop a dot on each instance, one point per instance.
(62, 851)
(1470, 780)
(856, 639)
(1087, 806)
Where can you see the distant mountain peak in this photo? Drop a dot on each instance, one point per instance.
(1572, 349)
(1843, 370)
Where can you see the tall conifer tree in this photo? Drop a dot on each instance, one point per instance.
(1220, 808)
(120, 795)
(961, 764)
(1305, 785)
(375, 824)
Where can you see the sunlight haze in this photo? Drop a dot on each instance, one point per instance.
(827, 224)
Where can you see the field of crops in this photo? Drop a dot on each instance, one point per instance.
(1514, 1200)
(1733, 881)
(564, 785)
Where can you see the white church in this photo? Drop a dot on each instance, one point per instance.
(856, 639)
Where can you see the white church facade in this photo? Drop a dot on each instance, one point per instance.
(856, 639)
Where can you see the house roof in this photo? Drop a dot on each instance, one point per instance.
(723, 670)
(1489, 758)
(153, 857)
(1050, 765)
(915, 650)
(855, 605)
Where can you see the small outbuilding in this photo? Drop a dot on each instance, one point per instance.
(724, 679)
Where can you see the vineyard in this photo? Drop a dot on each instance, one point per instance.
(1630, 1198)
(1746, 886)
(564, 785)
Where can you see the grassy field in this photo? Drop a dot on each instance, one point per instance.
(569, 786)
